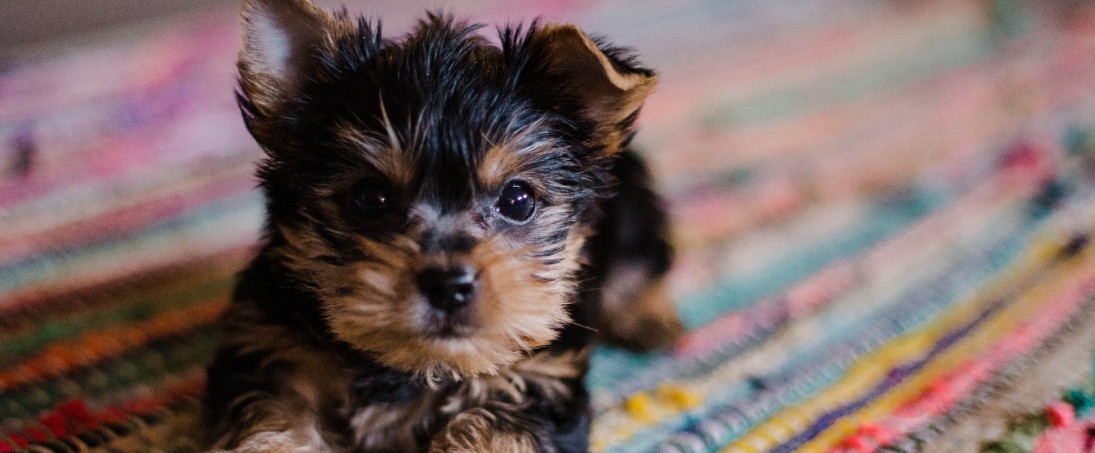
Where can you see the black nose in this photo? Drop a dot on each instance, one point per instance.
(448, 289)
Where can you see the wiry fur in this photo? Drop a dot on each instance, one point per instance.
(331, 342)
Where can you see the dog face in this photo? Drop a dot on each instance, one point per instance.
(433, 192)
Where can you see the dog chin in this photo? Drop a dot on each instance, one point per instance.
(459, 353)
(462, 357)
(457, 325)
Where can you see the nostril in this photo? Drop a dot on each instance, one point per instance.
(447, 289)
(460, 287)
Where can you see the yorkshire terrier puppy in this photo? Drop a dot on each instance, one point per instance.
(451, 223)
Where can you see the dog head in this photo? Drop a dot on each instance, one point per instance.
(433, 191)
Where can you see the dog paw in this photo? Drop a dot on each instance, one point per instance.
(278, 442)
(476, 431)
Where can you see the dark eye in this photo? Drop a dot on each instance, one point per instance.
(516, 202)
(371, 199)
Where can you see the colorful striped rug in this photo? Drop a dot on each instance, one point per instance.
(884, 212)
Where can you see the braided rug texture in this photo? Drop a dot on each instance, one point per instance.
(883, 211)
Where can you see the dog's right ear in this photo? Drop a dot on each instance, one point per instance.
(573, 74)
(281, 40)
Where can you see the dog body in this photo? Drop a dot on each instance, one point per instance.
(451, 224)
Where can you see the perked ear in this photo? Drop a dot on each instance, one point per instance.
(605, 83)
(280, 40)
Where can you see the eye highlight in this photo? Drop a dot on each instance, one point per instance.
(371, 199)
(516, 202)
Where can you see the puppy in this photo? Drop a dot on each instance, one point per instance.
(451, 224)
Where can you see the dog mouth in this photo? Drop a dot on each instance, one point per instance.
(456, 325)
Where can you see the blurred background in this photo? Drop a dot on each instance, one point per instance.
(882, 210)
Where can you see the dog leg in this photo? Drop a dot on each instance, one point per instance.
(483, 430)
(266, 391)
(262, 423)
(624, 295)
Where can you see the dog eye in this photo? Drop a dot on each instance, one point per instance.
(371, 199)
(516, 202)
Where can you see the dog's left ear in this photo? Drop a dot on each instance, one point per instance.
(575, 75)
(281, 42)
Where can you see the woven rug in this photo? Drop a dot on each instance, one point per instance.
(883, 211)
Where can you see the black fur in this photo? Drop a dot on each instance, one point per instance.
(451, 96)
(461, 93)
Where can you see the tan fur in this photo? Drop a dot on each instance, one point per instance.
(636, 87)
(552, 366)
(477, 383)
(610, 96)
(544, 370)
(288, 423)
(386, 157)
(373, 304)
(312, 28)
(638, 312)
(472, 432)
(389, 425)
(276, 442)
(515, 312)
(285, 421)
(514, 156)
(273, 426)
